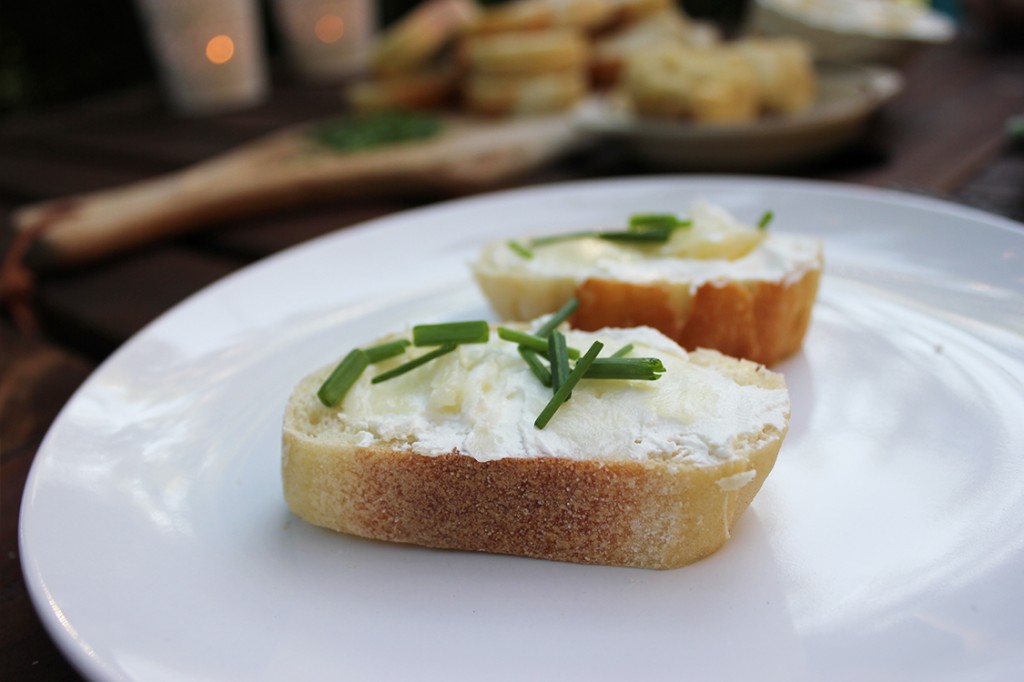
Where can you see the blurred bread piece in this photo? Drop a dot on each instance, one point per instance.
(525, 52)
(611, 51)
(701, 84)
(785, 73)
(521, 95)
(628, 11)
(422, 34)
(717, 284)
(424, 90)
(528, 15)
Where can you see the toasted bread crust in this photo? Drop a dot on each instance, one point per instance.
(760, 321)
(648, 514)
(763, 321)
(619, 513)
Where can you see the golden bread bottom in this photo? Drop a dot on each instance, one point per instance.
(762, 321)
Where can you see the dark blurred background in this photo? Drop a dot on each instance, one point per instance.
(58, 51)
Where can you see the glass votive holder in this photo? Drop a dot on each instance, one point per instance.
(327, 39)
(209, 53)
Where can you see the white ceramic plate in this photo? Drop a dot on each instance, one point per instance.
(887, 544)
(856, 33)
(846, 99)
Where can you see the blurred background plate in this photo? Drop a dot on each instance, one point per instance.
(847, 97)
(852, 33)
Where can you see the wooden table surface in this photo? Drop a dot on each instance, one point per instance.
(944, 135)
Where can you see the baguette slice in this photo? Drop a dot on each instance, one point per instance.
(524, 95)
(613, 50)
(703, 84)
(650, 474)
(785, 72)
(748, 299)
(518, 53)
(415, 39)
(529, 15)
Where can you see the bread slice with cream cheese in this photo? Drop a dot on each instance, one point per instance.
(650, 474)
(718, 283)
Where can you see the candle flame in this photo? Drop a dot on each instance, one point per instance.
(220, 49)
(329, 28)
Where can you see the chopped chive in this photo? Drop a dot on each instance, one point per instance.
(624, 351)
(477, 331)
(664, 221)
(555, 238)
(559, 357)
(646, 235)
(643, 228)
(341, 379)
(534, 343)
(762, 224)
(570, 382)
(356, 133)
(558, 318)
(520, 249)
(536, 365)
(416, 362)
(645, 369)
(386, 350)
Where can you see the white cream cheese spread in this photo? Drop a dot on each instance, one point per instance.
(715, 247)
(482, 400)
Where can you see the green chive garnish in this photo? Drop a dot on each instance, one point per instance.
(570, 382)
(663, 221)
(555, 238)
(534, 343)
(558, 318)
(643, 228)
(559, 357)
(386, 350)
(355, 133)
(652, 235)
(520, 249)
(623, 352)
(341, 379)
(645, 369)
(762, 224)
(477, 331)
(536, 365)
(413, 364)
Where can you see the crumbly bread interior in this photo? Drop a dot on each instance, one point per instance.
(651, 512)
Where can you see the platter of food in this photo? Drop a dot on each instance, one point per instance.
(846, 98)
(157, 542)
